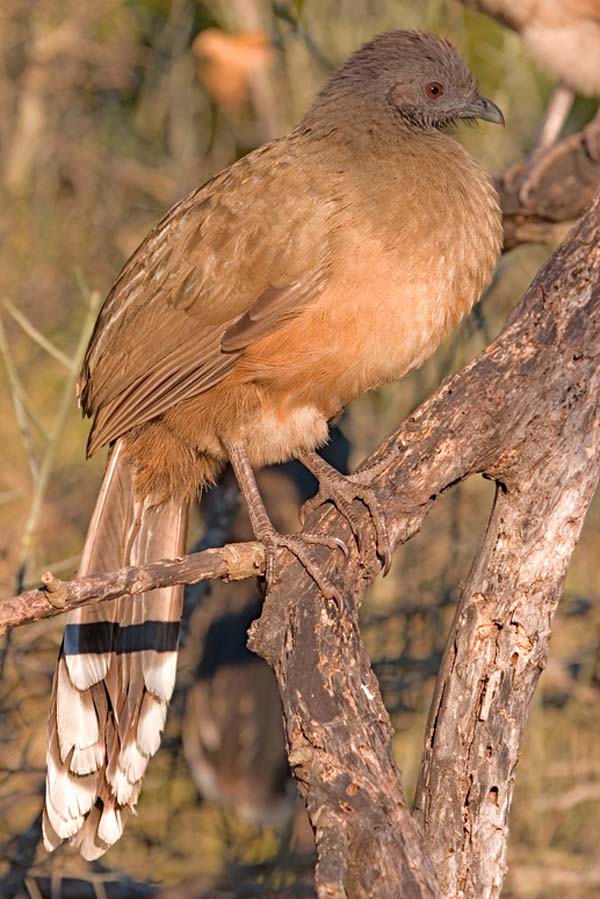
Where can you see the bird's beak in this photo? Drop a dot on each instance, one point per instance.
(479, 107)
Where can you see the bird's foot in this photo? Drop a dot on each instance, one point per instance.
(271, 539)
(342, 490)
(297, 545)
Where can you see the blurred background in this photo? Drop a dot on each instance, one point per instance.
(110, 112)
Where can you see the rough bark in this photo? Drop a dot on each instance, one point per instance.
(547, 466)
(542, 198)
(527, 413)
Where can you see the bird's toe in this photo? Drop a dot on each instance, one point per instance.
(298, 545)
(341, 491)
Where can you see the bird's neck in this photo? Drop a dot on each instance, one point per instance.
(365, 131)
(353, 122)
(378, 151)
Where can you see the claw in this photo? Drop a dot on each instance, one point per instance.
(331, 542)
(296, 544)
(382, 534)
(341, 492)
(325, 495)
(343, 546)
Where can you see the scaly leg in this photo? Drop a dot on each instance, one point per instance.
(342, 490)
(267, 534)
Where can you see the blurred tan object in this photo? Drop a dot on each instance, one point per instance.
(31, 116)
(232, 733)
(57, 62)
(228, 62)
(563, 36)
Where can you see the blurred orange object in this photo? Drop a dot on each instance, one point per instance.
(227, 63)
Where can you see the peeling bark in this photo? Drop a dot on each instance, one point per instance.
(526, 413)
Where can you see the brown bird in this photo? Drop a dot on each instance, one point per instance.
(563, 36)
(318, 267)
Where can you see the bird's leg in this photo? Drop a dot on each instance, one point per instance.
(342, 490)
(267, 534)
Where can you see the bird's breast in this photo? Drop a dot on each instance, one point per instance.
(398, 290)
(406, 266)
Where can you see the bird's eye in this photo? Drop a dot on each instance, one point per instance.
(434, 90)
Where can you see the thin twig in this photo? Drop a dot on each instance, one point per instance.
(36, 335)
(66, 401)
(23, 410)
(235, 561)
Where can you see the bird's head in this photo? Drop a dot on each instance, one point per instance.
(412, 77)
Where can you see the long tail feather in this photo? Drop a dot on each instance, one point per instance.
(115, 673)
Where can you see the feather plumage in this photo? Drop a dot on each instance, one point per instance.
(115, 674)
(258, 307)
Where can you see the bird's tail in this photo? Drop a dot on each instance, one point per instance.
(115, 672)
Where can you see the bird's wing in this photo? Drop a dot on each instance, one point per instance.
(224, 268)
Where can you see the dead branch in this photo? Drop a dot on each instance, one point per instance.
(526, 413)
(232, 562)
(543, 197)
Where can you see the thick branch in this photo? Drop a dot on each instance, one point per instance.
(496, 651)
(549, 464)
(533, 394)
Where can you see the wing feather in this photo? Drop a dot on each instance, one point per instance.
(225, 267)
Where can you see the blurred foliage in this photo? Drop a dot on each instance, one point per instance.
(109, 112)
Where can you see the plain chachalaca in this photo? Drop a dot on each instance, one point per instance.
(318, 267)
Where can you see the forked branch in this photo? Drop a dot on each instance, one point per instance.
(526, 413)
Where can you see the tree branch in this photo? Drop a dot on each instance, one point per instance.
(232, 562)
(542, 198)
(527, 413)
